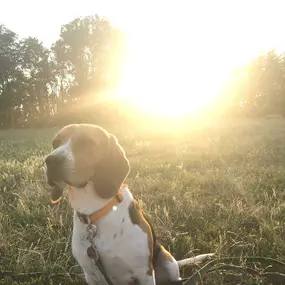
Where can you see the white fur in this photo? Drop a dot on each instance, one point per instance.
(166, 270)
(66, 151)
(123, 246)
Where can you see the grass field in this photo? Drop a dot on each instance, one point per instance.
(218, 188)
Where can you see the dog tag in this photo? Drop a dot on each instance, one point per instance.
(92, 253)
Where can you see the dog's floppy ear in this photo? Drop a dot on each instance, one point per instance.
(113, 170)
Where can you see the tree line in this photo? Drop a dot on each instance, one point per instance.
(258, 89)
(42, 86)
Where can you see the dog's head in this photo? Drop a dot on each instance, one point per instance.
(83, 153)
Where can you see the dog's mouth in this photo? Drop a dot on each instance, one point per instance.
(58, 180)
(57, 190)
(58, 186)
(54, 176)
(56, 194)
(54, 179)
(59, 176)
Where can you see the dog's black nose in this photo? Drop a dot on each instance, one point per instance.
(54, 160)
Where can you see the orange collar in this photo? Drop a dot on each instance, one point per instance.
(92, 218)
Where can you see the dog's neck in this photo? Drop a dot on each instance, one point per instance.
(85, 200)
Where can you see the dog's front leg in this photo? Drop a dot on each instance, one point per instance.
(92, 279)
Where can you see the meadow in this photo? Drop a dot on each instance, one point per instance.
(214, 188)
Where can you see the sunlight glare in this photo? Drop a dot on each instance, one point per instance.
(159, 91)
(181, 56)
(170, 78)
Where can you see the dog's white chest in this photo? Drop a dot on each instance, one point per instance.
(123, 246)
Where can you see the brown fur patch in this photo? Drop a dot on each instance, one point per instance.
(63, 135)
(137, 218)
(166, 254)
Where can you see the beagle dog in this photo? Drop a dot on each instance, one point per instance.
(92, 164)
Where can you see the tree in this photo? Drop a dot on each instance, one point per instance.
(91, 51)
(38, 84)
(259, 86)
(37, 67)
(8, 76)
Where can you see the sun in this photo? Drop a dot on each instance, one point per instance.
(170, 81)
(180, 57)
(166, 73)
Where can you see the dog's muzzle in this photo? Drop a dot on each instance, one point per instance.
(54, 165)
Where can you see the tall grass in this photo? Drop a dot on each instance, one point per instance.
(218, 188)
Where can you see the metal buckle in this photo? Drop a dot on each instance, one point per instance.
(91, 230)
(119, 198)
(83, 218)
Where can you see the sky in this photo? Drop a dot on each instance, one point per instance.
(43, 18)
(258, 24)
(170, 40)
